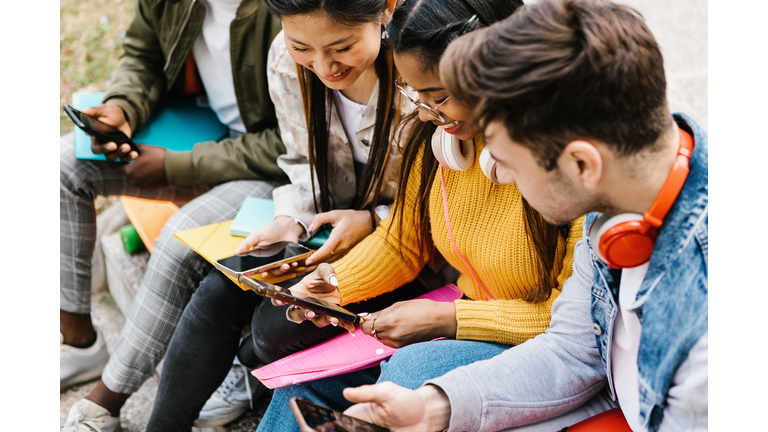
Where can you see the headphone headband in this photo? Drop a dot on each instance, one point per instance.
(674, 183)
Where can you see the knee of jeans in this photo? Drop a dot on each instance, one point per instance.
(398, 369)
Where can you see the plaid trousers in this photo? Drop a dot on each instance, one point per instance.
(173, 273)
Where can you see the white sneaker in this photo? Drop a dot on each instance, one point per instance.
(77, 365)
(86, 416)
(233, 398)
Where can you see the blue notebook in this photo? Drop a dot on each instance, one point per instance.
(254, 213)
(176, 125)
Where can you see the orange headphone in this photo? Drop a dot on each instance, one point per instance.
(627, 240)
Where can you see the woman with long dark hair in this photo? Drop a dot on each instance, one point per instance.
(513, 263)
(331, 78)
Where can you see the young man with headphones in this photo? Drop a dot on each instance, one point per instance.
(573, 96)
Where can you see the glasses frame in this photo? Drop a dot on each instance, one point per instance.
(434, 112)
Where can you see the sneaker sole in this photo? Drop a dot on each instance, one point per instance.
(220, 420)
(82, 377)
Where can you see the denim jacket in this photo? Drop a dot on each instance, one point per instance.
(672, 303)
(555, 379)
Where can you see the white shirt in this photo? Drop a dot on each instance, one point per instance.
(350, 114)
(687, 397)
(626, 341)
(211, 50)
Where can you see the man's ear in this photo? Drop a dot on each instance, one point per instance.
(386, 16)
(582, 163)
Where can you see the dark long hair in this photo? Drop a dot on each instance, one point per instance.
(317, 99)
(424, 29)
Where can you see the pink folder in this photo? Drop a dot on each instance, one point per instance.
(341, 354)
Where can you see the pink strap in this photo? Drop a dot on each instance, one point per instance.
(453, 242)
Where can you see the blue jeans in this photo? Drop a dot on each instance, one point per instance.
(409, 367)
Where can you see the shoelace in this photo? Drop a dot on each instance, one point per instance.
(237, 373)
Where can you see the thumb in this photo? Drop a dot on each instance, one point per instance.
(252, 240)
(366, 393)
(326, 271)
(322, 218)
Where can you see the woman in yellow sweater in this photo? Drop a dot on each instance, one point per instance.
(512, 263)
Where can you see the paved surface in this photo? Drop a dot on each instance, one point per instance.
(680, 28)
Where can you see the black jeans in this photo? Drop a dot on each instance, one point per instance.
(207, 338)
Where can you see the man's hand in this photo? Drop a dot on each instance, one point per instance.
(411, 321)
(426, 409)
(148, 171)
(114, 116)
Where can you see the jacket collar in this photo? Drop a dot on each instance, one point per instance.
(685, 215)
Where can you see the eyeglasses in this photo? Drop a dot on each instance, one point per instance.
(434, 112)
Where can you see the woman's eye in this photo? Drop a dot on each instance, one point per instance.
(439, 101)
(343, 50)
(295, 48)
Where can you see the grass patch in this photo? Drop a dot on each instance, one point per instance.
(91, 42)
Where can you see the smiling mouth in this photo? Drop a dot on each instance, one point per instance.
(339, 76)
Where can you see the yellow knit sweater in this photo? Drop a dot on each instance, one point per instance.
(489, 228)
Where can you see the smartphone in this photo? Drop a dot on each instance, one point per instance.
(317, 418)
(319, 237)
(102, 131)
(316, 305)
(262, 259)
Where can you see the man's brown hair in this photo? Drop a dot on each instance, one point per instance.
(561, 70)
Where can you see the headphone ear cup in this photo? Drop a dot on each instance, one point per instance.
(488, 165)
(594, 237)
(437, 147)
(623, 241)
(448, 151)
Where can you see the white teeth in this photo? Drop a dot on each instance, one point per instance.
(450, 125)
(339, 74)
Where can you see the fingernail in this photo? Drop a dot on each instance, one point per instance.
(279, 303)
(352, 333)
(363, 314)
(334, 324)
(333, 280)
(311, 227)
(309, 314)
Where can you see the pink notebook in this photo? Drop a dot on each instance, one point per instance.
(338, 355)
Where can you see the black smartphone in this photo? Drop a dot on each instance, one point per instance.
(317, 418)
(262, 259)
(316, 305)
(102, 131)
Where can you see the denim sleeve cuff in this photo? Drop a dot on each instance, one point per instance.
(466, 402)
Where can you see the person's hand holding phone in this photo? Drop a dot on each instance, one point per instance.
(282, 228)
(426, 409)
(148, 171)
(112, 115)
(411, 321)
(321, 284)
(349, 228)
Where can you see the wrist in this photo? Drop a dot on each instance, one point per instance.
(437, 407)
(446, 316)
(293, 226)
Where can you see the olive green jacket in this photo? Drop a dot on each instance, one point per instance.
(156, 47)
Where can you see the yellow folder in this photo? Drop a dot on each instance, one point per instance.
(213, 242)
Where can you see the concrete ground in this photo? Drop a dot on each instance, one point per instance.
(681, 30)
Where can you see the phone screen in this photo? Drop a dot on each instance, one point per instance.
(263, 256)
(322, 419)
(89, 124)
